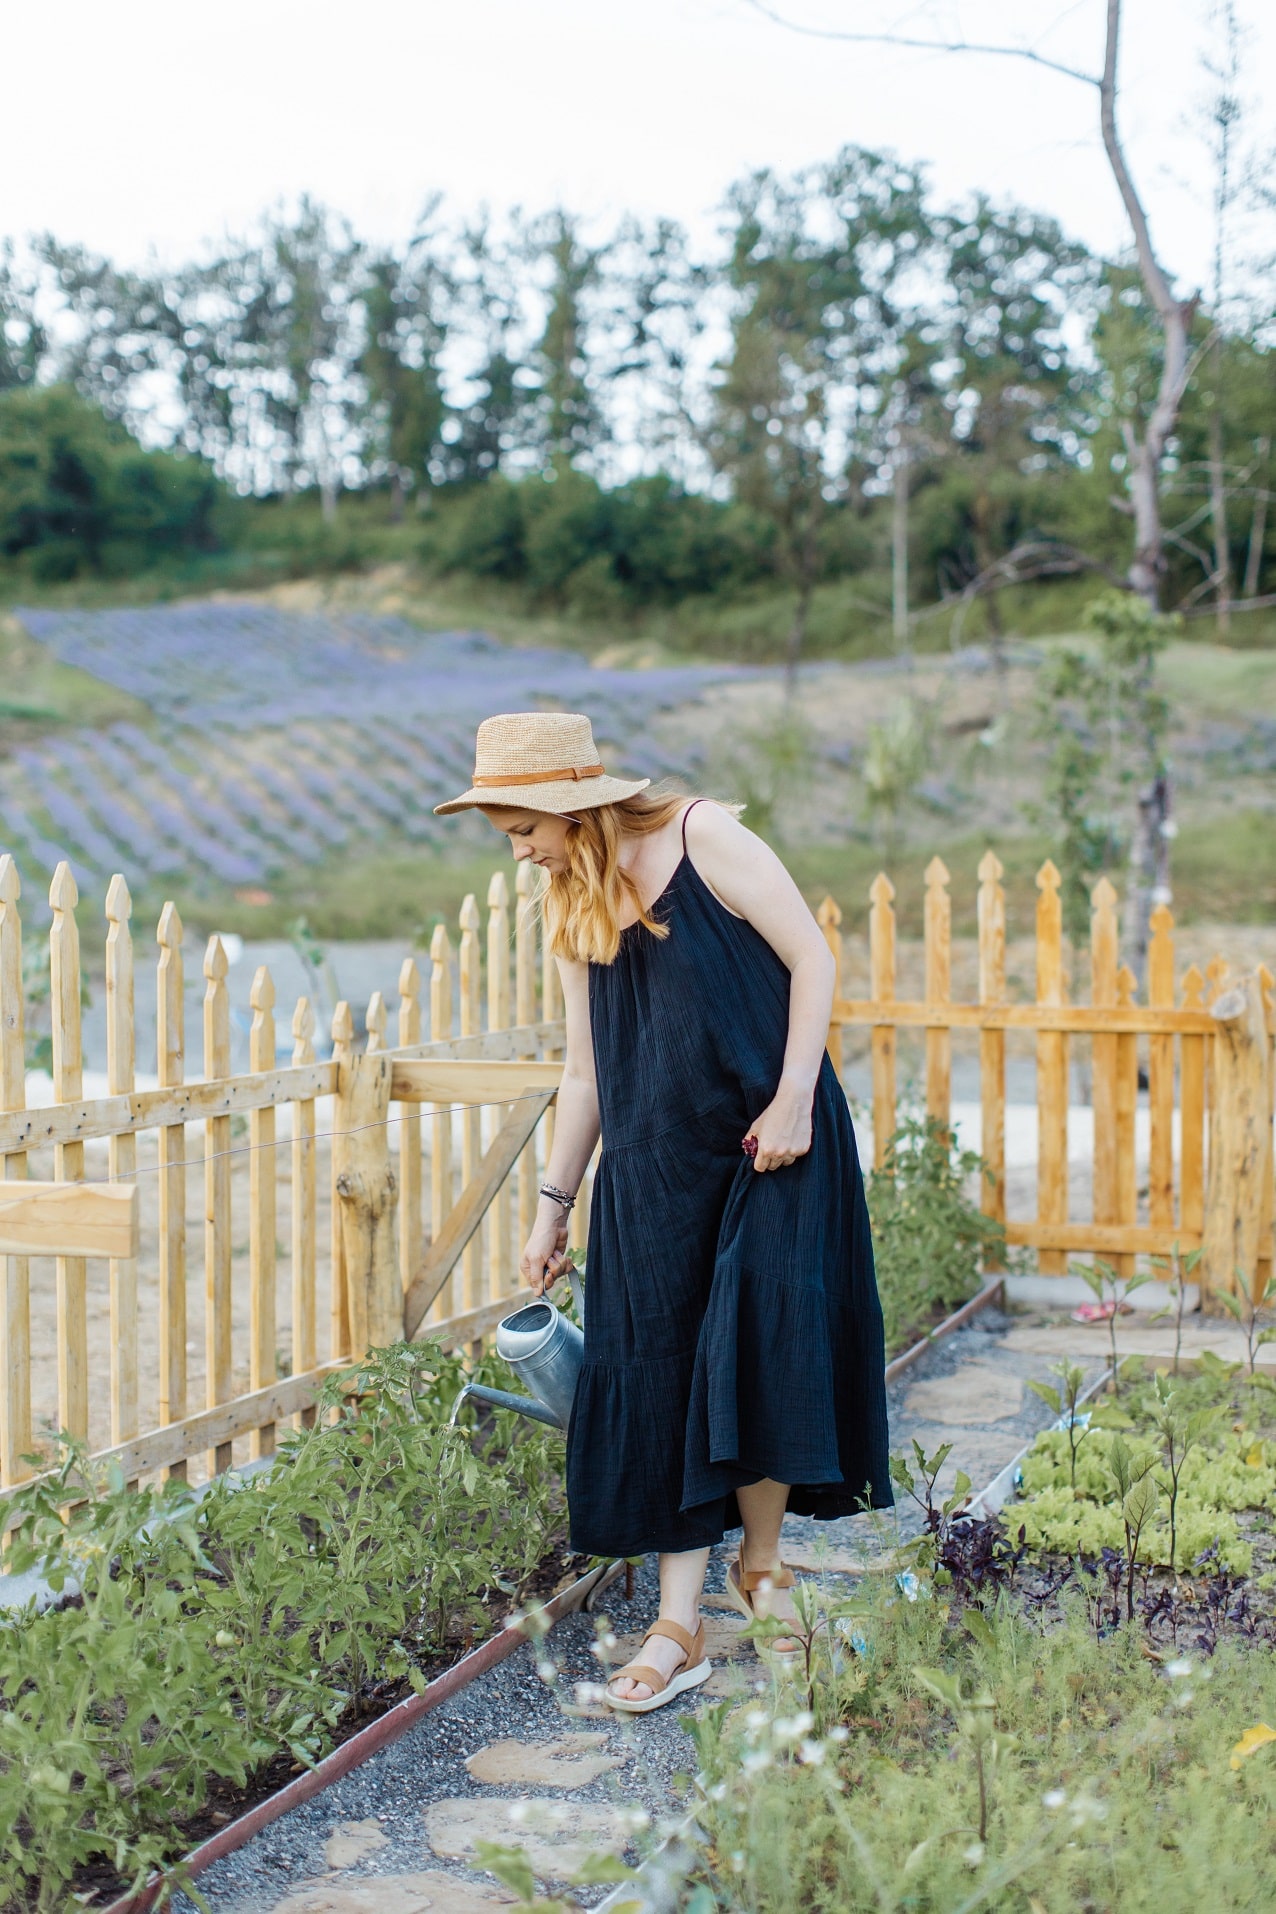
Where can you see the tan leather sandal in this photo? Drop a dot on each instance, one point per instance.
(742, 1583)
(696, 1668)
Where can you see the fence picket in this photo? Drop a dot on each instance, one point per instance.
(68, 1158)
(881, 961)
(171, 1064)
(551, 1011)
(339, 1343)
(1052, 1071)
(1104, 959)
(471, 1122)
(829, 918)
(1192, 1113)
(1127, 1102)
(374, 1024)
(1161, 1073)
(262, 1210)
(218, 1298)
(15, 1271)
(121, 1154)
(1266, 1242)
(411, 1240)
(304, 1211)
(992, 1043)
(449, 1301)
(525, 924)
(499, 1231)
(939, 968)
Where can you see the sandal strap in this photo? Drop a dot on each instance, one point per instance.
(639, 1671)
(751, 1579)
(675, 1632)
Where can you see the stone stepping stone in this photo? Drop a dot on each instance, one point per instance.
(557, 1837)
(431, 1893)
(977, 1392)
(569, 1762)
(353, 1841)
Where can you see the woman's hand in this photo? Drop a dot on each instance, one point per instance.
(543, 1259)
(783, 1131)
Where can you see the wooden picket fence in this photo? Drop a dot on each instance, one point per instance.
(414, 1161)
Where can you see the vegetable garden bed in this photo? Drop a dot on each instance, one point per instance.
(1040, 1715)
(207, 1648)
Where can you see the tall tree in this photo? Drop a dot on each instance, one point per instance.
(405, 303)
(568, 408)
(23, 340)
(814, 263)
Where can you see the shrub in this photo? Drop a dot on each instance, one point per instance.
(930, 1239)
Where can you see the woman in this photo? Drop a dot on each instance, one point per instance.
(733, 1343)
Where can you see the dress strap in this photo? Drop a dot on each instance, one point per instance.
(686, 814)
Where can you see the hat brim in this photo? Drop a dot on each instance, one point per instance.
(570, 795)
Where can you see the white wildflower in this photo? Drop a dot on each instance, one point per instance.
(812, 1753)
(1176, 1670)
(1055, 1798)
(794, 1729)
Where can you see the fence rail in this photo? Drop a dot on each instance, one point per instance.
(384, 1189)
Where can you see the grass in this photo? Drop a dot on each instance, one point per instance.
(38, 694)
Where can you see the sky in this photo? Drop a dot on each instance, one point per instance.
(150, 128)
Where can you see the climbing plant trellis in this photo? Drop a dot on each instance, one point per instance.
(413, 1161)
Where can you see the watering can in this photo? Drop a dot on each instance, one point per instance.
(545, 1351)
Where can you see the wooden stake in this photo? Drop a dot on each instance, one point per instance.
(411, 1238)
(339, 1332)
(367, 1190)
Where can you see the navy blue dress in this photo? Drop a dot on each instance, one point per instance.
(733, 1330)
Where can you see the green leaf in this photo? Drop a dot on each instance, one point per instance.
(1049, 1396)
(510, 1866)
(978, 1627)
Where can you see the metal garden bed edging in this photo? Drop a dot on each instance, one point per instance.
(958, 1319)
(387, 1729)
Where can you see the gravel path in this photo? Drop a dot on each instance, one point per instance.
(527, 1758)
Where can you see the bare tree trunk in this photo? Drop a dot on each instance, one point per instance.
(1145, 453)
(1257, 531)
(1218, 506)
(899, 555)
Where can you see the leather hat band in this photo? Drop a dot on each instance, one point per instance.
(571, 775)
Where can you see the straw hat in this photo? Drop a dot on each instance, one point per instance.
(540, 761)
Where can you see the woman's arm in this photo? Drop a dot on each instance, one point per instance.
(746, 875)
(575, 1134)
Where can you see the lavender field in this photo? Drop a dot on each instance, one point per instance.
(273, 739)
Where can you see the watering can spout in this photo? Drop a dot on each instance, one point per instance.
(545, 1351)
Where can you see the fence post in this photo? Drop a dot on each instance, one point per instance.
(367, 1190)
(881, 959)
(1240, 1138)
(218, 1246)
(68, 1158)
(1161, 1074)
(1267, 1225)
(829, 917)
(992, 1043)
(15, 1271)
(1127, 1103)
(1104, 952)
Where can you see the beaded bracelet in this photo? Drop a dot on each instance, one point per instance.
(558, 1196)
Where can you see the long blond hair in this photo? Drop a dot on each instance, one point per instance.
(583, 904)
